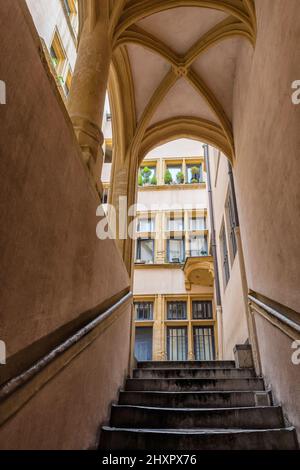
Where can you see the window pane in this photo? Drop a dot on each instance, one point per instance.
(175, 225)
(175, 250)
(198, 246)
(204, 344)
(202, 310)
(177, 344)
(174, 169)
(197, 223)
(145, 250)
(144, 310)
(194, 173)
(145, 225)
(176, 311)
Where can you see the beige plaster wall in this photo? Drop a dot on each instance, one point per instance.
(162, 280)
(279, 371)
(267, 167)
(81, 394)
(53, 267)
(233, 307)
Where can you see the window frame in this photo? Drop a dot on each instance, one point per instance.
(175, 316)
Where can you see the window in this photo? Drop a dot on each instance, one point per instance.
(197, 223)
(70, 7)
(57, 53)
(145, 250)
(231, 223)
(202, 310)
(68, 82)
(224, 254)
(105, 196)
(175, 250)
(204, 343)
(194, 173)
(146, 225)
(147, 175)
(198, 245)
(175, 224)
(174, 170)
(143, 310)
(143, 343)
(176, 310)
(177, 344)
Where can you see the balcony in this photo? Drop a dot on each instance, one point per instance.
(198, 270)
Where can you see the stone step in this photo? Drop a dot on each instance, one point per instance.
(124, 416)
(193, 373)
(176, 385)
(195, 439)
(188, 399)
(186, 364)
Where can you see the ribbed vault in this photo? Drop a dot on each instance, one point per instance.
(174, 66)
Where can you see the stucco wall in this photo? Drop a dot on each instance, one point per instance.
(68, 411)
(280, 373)
(53, 267)
(267, 167)
(163, 281)
(233, 307)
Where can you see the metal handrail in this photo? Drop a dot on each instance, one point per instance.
(279, 316)
(34, 369)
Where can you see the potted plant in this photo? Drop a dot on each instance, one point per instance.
(168, 177)
(153, 180)
(140, 180)
(146, 173)
(180, 177)
(195, 170)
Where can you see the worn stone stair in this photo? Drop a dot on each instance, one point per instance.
(196, 405)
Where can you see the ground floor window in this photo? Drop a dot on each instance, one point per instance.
(177, 343)
(143, 343)
(204, 343)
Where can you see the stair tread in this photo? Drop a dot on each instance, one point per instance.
(197, 430)
(199, 410)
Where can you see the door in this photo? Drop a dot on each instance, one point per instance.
(177, 343)
(204, 343)
(143, 344)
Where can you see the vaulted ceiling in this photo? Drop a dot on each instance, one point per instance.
(174, 66)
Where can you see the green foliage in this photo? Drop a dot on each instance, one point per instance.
(153, 180)
(168, 177)
(193, 180)
(180, 177)
(146, 173)
(140, 180)
(195, 170)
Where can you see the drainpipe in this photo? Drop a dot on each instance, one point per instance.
(249, 317)
(214, 253)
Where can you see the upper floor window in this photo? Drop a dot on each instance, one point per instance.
(68, 82)
(143, 310)
(176, 310)
(198, 246)
(231, 224)
(145, 250)
(202, 310)
(175, 250)
(70, 7)
(224, 254)
(175, 224)
(147, 175)
(194, 173)
(57, 53)
(146, 225)
(173, 174)
(197, 223)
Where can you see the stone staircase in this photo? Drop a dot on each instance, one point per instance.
(196, 406)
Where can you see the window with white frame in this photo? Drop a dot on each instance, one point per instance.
(198, 245)
(175, 250)
(197, 223)
(175, 224)
(146, 225)
(145, 250)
